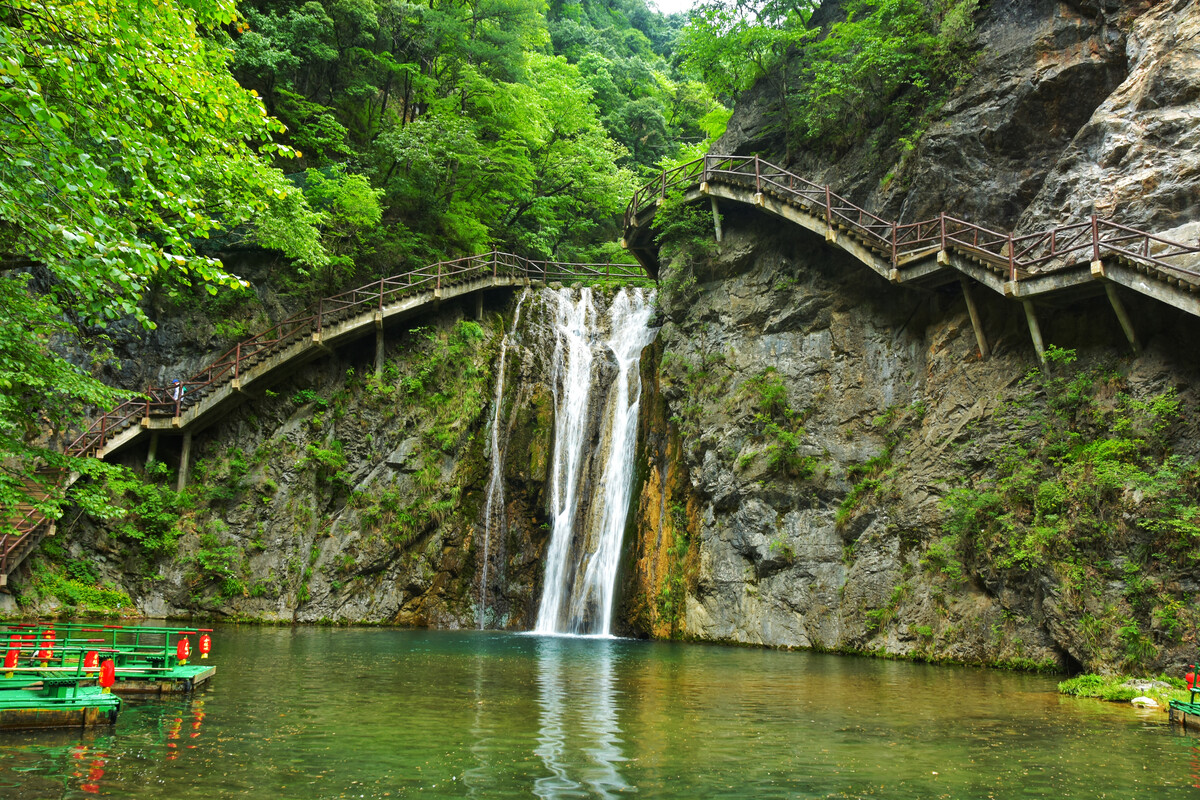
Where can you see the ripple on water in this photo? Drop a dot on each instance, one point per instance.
(328, 713)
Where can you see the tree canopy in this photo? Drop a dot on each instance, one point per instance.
(874, 66)
(125, 142)
(142, 139)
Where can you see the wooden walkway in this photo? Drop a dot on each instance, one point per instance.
(1093, 253)
(268, 356)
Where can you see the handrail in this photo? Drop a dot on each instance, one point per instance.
(163, 401)
(1022, 256)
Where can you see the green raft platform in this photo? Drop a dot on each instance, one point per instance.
(148, 659)
(62, 696)
(1186, 714)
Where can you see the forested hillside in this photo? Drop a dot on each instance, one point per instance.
(154, 157)
(441, 129)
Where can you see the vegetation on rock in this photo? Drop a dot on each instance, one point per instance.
(880, 68)
(1085, 489)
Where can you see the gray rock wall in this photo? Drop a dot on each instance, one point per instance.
(894, 407)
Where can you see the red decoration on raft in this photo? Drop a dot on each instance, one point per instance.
(1190, 677)
(183, 649)
(10, 658)
(91, 660)
(205, 645)
(108, 674)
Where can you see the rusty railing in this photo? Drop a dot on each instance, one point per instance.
(1021, 257)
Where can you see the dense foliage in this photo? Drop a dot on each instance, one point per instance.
(479, 122)
(125, 141)
(881, 67)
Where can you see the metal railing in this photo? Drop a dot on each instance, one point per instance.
(166, 401)
(1020, 257)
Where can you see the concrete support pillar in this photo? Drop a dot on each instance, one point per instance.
(1034, 331)
(479, 306)
(152, 453)
(379, 342)
(185, 458)
(1123, 316)
(976, 323)
(716, 212)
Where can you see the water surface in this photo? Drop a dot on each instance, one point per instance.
(373, 713)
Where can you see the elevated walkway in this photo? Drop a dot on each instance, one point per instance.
(1090, 255)
(256, 363)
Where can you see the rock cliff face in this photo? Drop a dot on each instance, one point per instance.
(343, 495)
(816, 433)
(891, 407)
(1073, 108)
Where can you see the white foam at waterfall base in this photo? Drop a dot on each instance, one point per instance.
(584, 554)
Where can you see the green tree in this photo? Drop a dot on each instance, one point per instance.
(125, 142)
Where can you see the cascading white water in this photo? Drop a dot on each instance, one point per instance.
(572, 384)
(493, 508)
(584, 552)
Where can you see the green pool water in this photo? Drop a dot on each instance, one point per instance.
(373, 713)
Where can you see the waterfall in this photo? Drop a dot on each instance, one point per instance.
(585, 548)
(571, 381)
(493, 507)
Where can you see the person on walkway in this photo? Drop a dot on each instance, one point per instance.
(177, 394)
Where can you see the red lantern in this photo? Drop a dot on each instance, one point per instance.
(44, 655)
(205, 645)
(91, 660)
(108, 674)
(183, 649)
(10, 661)
(1190, 677)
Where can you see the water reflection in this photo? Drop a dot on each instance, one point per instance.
(479, 777)
(55, 764)
(577, 698)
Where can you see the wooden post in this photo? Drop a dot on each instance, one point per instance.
(976, 323)
(379, 344)
(1034, 331)
(1012, 259)
(185, 456)
(716, 217)
(1126, 323)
